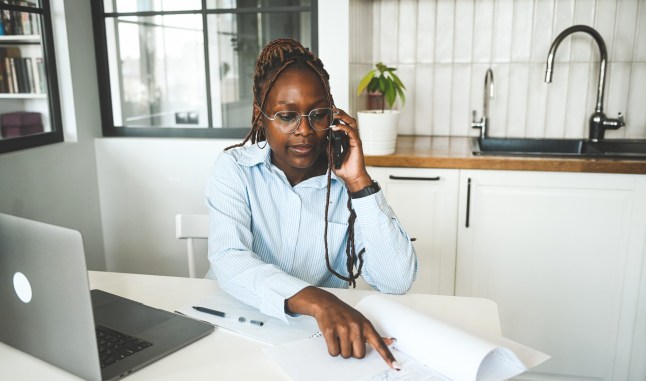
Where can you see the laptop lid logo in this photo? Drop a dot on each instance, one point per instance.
(22, 287)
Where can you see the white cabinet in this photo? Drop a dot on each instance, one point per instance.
(562, 254)
(425, 202)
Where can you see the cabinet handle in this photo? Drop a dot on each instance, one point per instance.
(393, 177)
(468, 201)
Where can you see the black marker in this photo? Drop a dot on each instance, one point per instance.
(210, 311)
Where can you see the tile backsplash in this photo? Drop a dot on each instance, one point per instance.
(442, 49)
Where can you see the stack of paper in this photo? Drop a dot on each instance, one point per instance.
(426, 347)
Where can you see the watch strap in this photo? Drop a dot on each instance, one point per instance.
(367, 191)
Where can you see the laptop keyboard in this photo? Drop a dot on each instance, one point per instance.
(115, 346)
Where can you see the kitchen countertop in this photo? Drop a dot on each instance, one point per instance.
(455, 152)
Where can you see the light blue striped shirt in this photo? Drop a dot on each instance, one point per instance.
(266, 237)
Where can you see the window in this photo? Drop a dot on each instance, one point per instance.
(29, 106)
(185, 67)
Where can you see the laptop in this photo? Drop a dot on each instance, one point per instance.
(48, 311)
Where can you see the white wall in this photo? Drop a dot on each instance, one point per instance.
(144, 183)
(58, 183)
(442, 49)
(334, 47)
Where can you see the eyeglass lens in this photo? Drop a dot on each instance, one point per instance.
(320, 119)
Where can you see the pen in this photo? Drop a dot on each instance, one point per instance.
(210, 311)
(241, 319)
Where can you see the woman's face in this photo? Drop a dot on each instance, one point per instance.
(301, 154)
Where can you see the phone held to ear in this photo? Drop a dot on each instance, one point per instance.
(339, 141)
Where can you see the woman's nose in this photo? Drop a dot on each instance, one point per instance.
(304, 127)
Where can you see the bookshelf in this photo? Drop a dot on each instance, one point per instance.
(28, 108)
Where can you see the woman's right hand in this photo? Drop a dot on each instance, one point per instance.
(346, 330)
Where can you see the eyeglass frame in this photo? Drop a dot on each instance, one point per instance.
(300, 118)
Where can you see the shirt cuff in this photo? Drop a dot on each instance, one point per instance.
(371, 209)
(281, 288)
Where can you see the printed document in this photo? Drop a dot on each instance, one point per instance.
(426, 347)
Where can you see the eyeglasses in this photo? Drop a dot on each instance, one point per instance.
(288, 121)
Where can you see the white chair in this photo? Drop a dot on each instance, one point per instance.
(190, 227)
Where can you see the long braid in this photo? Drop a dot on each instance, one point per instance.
(275, 57)
(350, 250)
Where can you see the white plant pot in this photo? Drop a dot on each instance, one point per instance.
(378, 131)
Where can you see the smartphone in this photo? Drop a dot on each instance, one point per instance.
(339, 141)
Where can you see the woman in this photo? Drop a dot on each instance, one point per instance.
(284, 222)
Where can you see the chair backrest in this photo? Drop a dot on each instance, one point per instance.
(190, 227)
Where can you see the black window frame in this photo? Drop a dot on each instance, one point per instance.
(53, 101)
(108, 127)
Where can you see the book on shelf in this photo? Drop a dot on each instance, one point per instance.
(6, 55)
(14, 75)
(24, 76)
(7, 22)
(42, 75)
(18, 22)
(3, 81)
(25, 20)
(7, 75)
(21, 74)
(38, 89)
(30, 75)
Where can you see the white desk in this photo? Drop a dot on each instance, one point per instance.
(223, 355)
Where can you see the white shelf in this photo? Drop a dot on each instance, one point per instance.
(22, 96)
(26, 38)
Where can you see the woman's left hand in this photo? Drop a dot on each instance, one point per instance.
(346, 330)
(353, 170)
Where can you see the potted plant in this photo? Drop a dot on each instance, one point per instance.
(379, 127)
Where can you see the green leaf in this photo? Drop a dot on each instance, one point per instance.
(401, 95)
(383, 85)
(365, 81)
(391, 95)
(398, 81)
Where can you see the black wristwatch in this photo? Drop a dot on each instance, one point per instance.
(367, 191)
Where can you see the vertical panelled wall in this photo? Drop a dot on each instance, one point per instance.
(442, 49)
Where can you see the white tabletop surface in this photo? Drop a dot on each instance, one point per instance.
(224, 355)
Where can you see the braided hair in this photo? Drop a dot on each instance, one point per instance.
(274, 58)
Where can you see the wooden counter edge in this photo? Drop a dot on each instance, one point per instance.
(455, 153)
(511, 164)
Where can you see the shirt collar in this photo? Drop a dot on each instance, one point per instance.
(254, 155)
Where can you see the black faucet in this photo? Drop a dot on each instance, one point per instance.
(599, 123)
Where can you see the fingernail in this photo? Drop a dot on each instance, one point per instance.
(392, 338)
(396, 366)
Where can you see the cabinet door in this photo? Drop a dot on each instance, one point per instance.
(425, 202)
(561, 254)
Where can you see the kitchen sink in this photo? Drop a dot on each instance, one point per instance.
(622, 148)
(533, 147)
(634, 149)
